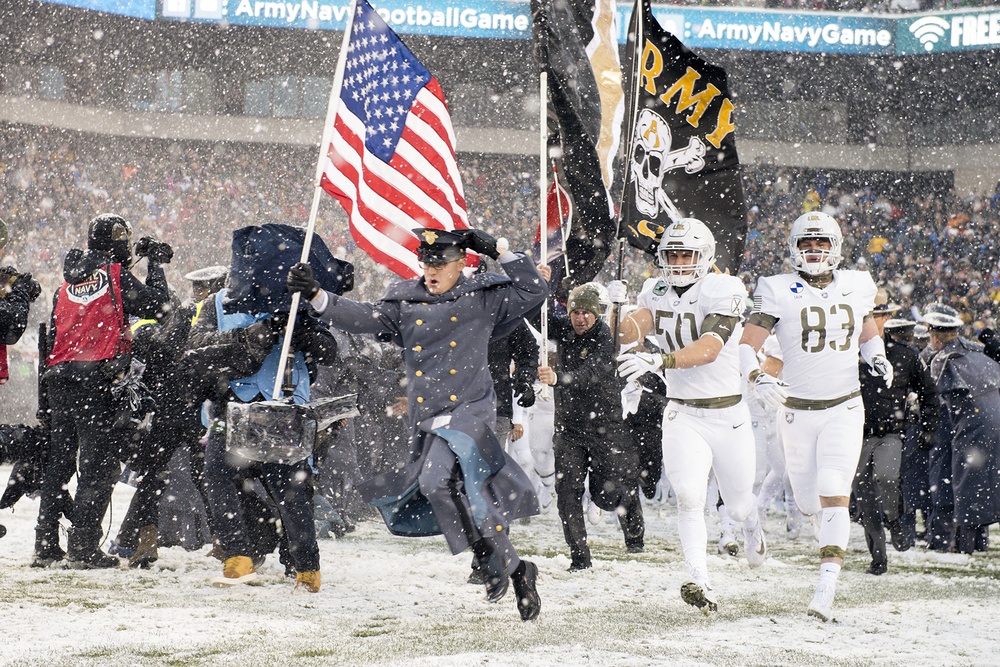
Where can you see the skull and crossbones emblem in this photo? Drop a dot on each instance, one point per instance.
(652, 159)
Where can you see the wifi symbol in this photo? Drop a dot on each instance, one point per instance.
(929, 30)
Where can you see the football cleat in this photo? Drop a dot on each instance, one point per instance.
(700, 596)
(821, 606)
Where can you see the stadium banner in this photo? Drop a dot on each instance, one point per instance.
(948, 31)
(681, 152)
(727, 28)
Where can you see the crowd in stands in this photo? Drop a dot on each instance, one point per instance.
(939, 245)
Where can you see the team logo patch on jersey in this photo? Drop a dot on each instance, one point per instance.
(737, 305)
(660, 288)
(797, 287)
(94, 287)
(671, 414)
(789, 417)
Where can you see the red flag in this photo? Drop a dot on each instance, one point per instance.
(391, 160)
(559, 213)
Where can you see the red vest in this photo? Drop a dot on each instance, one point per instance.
(90, 320)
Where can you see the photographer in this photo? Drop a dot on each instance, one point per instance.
(17, 292)
(91, 353)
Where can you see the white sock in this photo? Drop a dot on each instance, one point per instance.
(694, 537)
(834, 527)
(829, 572)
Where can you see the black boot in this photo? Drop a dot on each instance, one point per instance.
(495, 572)
(47, 550)
(880, 562)
(478, 574)
(528, 603)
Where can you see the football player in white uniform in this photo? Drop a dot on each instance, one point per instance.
(821, 316)
(694, 316)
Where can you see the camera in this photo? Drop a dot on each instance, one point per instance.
(156, 251)
(11, 280)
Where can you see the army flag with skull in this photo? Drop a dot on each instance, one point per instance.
(681, 159)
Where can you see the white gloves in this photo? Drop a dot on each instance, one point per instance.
(770, 389)
(618, 292)
(631, 395)
(634, 365)
(880, 367)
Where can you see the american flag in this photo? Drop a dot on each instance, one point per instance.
(391, 160)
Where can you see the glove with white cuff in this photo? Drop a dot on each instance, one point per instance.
(881, 367)
(873, 352)
(618, 292)
(633, 365)
(769, 389)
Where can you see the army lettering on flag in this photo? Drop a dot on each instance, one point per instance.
(576, 46)
(680, 159)
(391, 161)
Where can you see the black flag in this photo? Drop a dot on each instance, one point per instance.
(575, 44)
(680, 159)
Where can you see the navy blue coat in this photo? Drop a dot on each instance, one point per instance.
(969, 385)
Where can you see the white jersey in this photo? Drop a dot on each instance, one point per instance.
(677, 322)
(818, 330)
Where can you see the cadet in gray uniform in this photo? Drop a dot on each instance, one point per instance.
(459, 482)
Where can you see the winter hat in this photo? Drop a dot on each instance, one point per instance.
(585, 297)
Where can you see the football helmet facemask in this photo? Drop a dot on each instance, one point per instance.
(686, 234)
(815, 225)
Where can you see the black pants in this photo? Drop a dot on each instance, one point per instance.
(166, 437)
(877, 489)
(289, 486)
(82, 415)
(613, 470)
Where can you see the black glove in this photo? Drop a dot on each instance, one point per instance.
(991, 343)
(525, 395)
(926, 441)
(302, 338)
(156, 251)
(26, 287)
(524, 389)
(481, 242)
(259, 338)
(300, 279)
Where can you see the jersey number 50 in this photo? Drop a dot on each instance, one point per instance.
(663, 319)
(814, 327)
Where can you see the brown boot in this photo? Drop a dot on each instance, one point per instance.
(145, 554)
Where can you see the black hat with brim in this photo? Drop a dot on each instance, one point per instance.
(439, 246)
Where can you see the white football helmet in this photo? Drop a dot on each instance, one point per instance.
(686, 234)
(815, 225)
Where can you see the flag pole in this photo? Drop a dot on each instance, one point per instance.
(543, 152)
(331, 112)
(638, 14)
(563, 231)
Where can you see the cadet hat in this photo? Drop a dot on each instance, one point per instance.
(209, 277)
(439, 246)
(939, 317)
(896, 324)
(585, 297)
(883, 306)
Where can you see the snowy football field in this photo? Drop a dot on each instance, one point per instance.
(395, 601)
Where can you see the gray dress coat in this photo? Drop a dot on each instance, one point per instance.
(445, 339)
